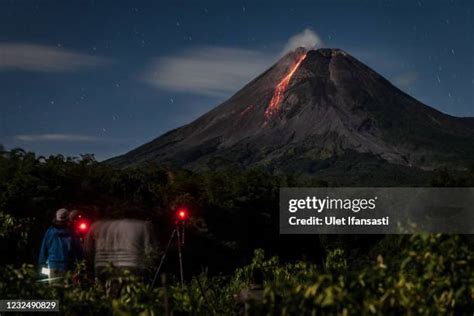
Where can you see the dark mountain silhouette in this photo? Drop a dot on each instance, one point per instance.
(309, 107)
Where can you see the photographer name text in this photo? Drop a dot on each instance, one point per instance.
(338, 221)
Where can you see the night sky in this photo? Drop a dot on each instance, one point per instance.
(104, 77)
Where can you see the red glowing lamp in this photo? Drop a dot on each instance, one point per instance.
(82, 226)
(182, 214)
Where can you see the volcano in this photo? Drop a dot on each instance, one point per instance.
(311, 106)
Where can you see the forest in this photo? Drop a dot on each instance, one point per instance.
(231, 234)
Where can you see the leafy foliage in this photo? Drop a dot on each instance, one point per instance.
(233, 212)
(433, 276)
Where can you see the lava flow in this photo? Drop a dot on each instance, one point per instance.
(247, 109)
(280, 89)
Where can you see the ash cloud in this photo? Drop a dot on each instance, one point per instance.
(307, 39)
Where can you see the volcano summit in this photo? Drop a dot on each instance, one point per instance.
(309, 107)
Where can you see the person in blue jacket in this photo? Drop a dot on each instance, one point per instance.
(61, 248)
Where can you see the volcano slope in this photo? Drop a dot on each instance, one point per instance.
(312, 112)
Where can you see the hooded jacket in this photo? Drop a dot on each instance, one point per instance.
(60, 249)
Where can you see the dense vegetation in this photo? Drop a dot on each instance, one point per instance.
(233, 213)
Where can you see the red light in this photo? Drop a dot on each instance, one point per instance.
(82, 226)
(182, 214)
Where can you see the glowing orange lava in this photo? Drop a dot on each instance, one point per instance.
(280, 89)
(247, 109)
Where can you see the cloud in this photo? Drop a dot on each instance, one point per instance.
(32, 57)
(57, 138)
(217, 71)
(211, 70)
(307, 39)
(405, 79)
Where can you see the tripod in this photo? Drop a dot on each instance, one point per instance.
(179, 231)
